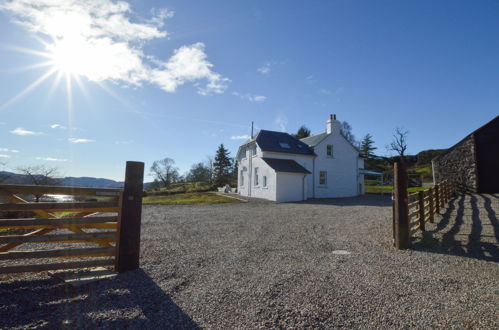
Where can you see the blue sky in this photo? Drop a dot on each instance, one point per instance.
(177, 78)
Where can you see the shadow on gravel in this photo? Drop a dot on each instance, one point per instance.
(131, 300)
(367, 200)
(461, 230)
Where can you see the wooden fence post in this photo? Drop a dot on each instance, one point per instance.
(401, 219)
(431, 192)
(421, 210)
(437, 198)
(128, 244)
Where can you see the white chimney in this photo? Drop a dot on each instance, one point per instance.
(332, 124)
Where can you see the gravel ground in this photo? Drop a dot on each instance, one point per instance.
(266, 265)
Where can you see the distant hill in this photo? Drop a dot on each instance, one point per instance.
(90, 182)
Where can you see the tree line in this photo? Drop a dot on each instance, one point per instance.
(215, 171)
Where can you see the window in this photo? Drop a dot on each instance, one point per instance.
(243, 153)
(284, 145)
(329, 150)
(322, 177)
(256, 176)
(264, 181)
(253, 150)
(241, 175)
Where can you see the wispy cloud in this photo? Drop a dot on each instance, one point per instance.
(109, 45)
(57, 126)
(124, 142)
(281, 121)
(52, 159)
(8, 150)
(76, 140)
(240, 137)
(24, 132)
(4, 156)
(267, 66)
(250, 97)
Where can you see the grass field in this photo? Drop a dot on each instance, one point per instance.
(204, 198)
(388, 189)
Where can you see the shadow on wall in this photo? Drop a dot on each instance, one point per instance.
(131, 300)
(469, 228)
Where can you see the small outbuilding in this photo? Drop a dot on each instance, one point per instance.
(473, 163)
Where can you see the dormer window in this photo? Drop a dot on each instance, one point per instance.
(329, 150)
(284, 145)
(253, 150)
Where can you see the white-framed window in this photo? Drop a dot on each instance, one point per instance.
(264, 181)
(329, 150)
(241, 174)
(253, 151)
(243, 153)
(256, 176)
(323, 177)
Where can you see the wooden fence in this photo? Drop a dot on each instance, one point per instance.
(412, 211)
(109, 239)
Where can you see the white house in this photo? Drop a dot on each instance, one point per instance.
(279, 167)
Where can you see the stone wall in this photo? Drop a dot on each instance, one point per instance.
(458, 165)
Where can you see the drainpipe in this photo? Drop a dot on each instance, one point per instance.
(250, 163)
(313, 177)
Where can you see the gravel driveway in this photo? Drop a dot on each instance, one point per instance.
(266, 265)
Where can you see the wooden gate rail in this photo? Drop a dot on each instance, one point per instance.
(117, 236)
(412, 211)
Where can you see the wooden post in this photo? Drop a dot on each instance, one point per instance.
(431, 192)
(437, 199)
(401, 219)
(128, 244)
(421, 210)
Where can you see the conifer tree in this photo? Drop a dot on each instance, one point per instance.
(222, 166)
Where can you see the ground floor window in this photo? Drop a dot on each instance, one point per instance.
(241, 175)
(322, 177)
(256, 176)
(264, 181)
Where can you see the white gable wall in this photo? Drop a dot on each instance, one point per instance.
(342, 168)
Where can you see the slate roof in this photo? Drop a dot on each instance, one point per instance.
(282, 142)
(314, 140)
(285, 165)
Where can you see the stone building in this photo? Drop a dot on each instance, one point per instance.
(473, 163)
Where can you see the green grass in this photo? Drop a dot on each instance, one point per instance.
(185, 187)
(388, 189)
(204, 198)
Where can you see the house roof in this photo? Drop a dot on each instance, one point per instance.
(314, 140)
(285, 165)
(282, 142)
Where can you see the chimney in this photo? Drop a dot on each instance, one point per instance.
(332, 124)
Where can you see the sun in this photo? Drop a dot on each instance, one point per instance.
(71, 57)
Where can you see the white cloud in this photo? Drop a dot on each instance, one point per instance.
(22, 131)
(249, 97)
(240, 137)
(51, 159)
(4, 156)
(57, 126)
(8, 150)
(104, 40)
(281, 121)
(264, 69)
(76, 140)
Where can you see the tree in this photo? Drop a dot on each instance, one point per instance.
(346, 131)
(222, 166)
(367, 147)
(40, 175)
(209, 166)
(303, 132)
(399, 143)
(164, 170)
(3, 175)
(199, 173)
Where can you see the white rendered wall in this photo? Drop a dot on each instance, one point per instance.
(290, 187)
(249, 188)
(342, 168)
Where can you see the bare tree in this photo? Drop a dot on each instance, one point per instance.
(40, 175)
(346, 131)
(399, 143)
(164, 170)
(3, 176)
(210, 167)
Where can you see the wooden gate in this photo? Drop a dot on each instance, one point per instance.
(104, 224)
